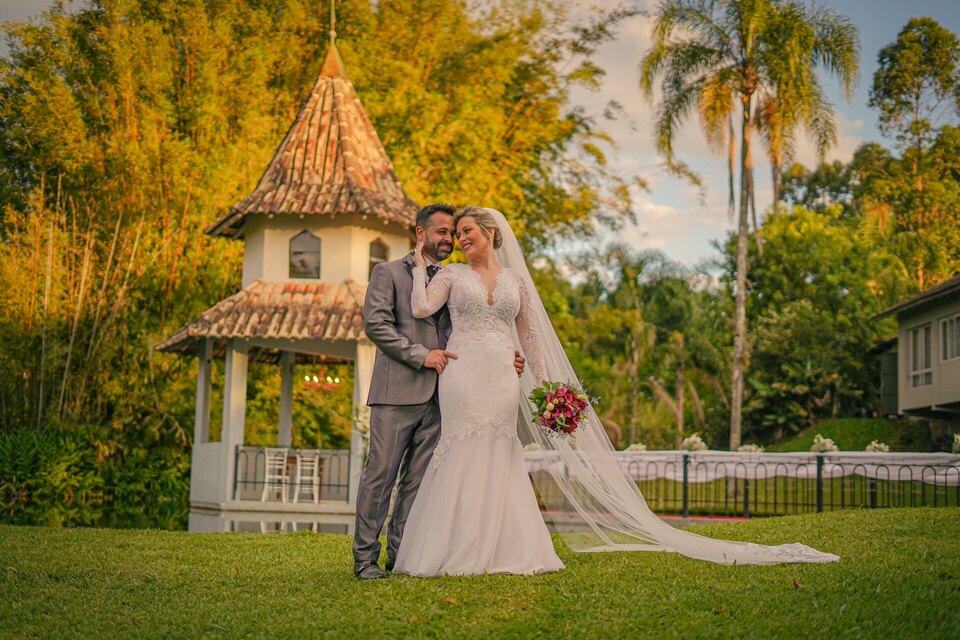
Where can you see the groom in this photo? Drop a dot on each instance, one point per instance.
(404, 411)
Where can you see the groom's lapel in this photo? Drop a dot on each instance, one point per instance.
(409, 263)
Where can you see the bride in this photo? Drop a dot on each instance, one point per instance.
(475, 511)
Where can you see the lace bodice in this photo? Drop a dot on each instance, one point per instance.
(471, 312)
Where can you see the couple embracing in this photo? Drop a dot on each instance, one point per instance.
(449, 383)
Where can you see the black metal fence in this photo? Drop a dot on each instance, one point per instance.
(741, 484)
(296, 475)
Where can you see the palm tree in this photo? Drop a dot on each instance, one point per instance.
(757, 59)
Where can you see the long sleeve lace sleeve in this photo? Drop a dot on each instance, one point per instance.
(425, 300)
(529, 336)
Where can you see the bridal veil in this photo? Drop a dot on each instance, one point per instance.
(607, 509)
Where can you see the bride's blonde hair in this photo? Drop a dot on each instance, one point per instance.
(483, 219)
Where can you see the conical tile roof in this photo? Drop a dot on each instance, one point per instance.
(330, 163)
(278, 310)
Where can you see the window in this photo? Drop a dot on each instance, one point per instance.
(919, 356)
(379, 252)
(950, 338)
(305, 256)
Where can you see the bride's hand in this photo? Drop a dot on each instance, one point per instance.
(418, 255)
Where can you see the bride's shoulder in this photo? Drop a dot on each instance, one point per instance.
(514, 275)
(454, 269)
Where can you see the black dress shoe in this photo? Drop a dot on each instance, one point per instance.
(369, 572)
(390, 563)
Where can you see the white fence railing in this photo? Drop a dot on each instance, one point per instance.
(776, 483)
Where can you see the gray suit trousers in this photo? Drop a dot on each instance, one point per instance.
(402, 439)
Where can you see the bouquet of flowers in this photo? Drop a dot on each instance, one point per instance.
(559, 407)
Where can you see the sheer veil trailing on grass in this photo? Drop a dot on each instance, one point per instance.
(609, 510)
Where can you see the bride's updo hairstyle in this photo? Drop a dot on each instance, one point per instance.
(484, 220)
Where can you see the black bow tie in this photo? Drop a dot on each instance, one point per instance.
(432, 271)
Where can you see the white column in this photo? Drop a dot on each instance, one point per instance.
(362, 373)
(201, 421)
(234, 412)
(285, 427)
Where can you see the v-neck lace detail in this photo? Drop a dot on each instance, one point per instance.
(491, 294)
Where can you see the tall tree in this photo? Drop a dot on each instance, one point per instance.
(917, 85)
(815, 295)
(916, 89)
(678, 314)
(722, 58)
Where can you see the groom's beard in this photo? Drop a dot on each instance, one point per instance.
(440, 251)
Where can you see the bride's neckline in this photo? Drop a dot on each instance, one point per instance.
(491, 293)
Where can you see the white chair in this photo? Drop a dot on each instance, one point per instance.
(308, 475)
(276, 479)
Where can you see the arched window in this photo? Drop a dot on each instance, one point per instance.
(379, 252)
(305, 256)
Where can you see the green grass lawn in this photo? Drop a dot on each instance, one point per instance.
(899, 577)
(850, 434)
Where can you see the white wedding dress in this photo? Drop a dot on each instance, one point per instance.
(475, 511)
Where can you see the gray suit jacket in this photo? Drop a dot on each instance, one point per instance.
(403, 341)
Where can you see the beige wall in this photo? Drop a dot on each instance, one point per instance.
(344, 249)
(946, 375)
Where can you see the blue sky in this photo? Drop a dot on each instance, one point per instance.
(671, 217)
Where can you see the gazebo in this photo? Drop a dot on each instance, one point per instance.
(326, 210)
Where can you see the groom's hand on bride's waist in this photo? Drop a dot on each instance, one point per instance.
(518, 362)
(437, 359)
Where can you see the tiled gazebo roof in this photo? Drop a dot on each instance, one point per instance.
(330, 163)
(278, 310)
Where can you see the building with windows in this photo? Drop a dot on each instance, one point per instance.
(326, 210)
(923, 365)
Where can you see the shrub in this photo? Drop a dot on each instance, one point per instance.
(85, 477)
(693, 443)
(877, 447)
(48, 478)
(823, 445)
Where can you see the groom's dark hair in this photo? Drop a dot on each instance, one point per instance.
(424, 214)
